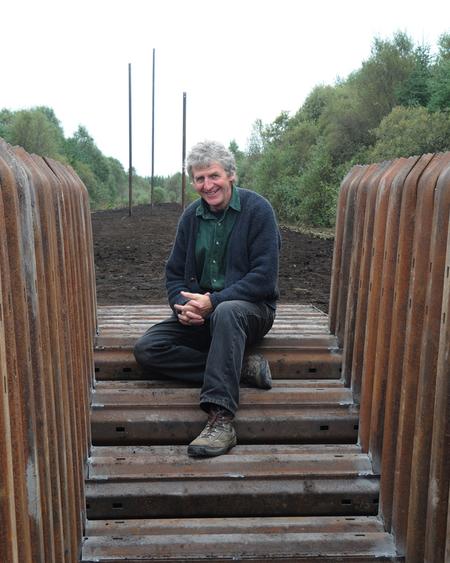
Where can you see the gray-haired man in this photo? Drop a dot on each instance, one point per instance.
(221, 280)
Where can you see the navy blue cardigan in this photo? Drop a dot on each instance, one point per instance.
(252, 255)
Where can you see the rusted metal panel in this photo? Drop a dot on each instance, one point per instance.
(397, 343)
(377, 249)
(44, 388)
(357, 353)
(343, 271)
(140, 397)
(385, 313)
(438, 491)
(268, 525)
(393, 345)
(298, 346)
(121, 326)
(8, 544)
(252, 465)
(19, 233)
(366, 186)
(299, 547)
(257, 424)
(428, 369)
(354, 173)
(46, 357)
(19, 490)
(288, 362)
(106, 536)
(420, 264)
(233, 495)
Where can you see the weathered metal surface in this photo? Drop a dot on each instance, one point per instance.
(415, 328)
(298, 346)
(438, 491)
(376, 250)
(9, 501)
(377, 398)
(121, 326)
(47, 359)
(426, 387)
(365, 185)
(250, 463)
(346, 253)
(140, 397)
(256, 424)
(361, 305)
(397, 347)
(349, 535)
(301, 548)
(268, 525)
(286, 362)
(355, 173)
(277, 479)
(397, 344)
(233, 496)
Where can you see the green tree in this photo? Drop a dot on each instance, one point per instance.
(318, 189)
(415, 90)
(411, 131)
(380, 78)
(109, 186)
(344, 124)
(316, 102)
(37, 132)
(6, 117)
(440, 77)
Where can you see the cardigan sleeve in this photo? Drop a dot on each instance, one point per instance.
(176, 265)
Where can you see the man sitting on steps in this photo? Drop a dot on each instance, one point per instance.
(222, 285)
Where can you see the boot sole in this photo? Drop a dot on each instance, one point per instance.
(205, 451)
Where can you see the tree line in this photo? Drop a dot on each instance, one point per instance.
(39, 131)
(396, 104)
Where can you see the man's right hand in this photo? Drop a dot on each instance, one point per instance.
(188, 315)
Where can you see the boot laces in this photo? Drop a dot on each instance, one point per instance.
(217, 422)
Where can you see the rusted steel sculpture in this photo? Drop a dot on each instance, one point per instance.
(389, 310)
(47, 328)
(392, 271)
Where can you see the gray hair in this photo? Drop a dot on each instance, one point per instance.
(206, 153)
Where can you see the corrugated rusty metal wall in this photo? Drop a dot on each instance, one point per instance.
(47, 328)
(389, 308)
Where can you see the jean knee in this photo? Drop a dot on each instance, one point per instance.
(227, 313)
(140, 350)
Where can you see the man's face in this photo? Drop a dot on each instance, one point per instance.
(213, 185)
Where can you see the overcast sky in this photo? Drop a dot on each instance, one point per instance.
(237, 60)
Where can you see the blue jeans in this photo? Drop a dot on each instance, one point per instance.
(210, 354)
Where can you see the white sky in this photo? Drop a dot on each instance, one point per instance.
(237, 60)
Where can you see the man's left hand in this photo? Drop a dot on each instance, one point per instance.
(201, 302)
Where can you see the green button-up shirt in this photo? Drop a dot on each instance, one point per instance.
(212, 241)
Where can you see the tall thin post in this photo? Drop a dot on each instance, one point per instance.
(152, 182)
(130, 146)
(183, 167)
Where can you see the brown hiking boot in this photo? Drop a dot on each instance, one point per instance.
(256, 371)
(217, 437)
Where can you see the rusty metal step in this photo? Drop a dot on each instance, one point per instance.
(300, 539)
(299, 346)
(145, 414)
(301, 361)
(163, 482)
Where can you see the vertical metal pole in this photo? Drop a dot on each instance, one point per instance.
(130, 145)
(152, 183)
(183, 167)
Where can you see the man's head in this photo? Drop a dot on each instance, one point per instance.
(212, 169)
